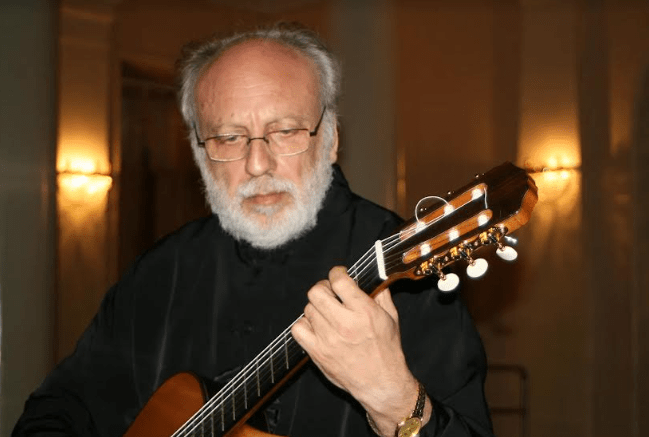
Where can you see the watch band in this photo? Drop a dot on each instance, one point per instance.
(421, 402)
(409, 426)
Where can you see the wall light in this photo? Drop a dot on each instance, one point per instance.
(81, 186)
(559, 182)
(80, 181)
(82, 192)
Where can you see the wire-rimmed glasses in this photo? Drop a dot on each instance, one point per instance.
(282, 142)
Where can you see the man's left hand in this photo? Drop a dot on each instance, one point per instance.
(355, 341)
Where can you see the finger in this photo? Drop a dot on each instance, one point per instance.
(303, 333)
(311, 331)
(346, 288)
(384, 299)
(317, 321)
(323, 299)
(321, 290)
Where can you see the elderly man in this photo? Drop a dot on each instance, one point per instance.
(261, 111)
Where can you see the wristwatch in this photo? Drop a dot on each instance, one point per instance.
(409, 426)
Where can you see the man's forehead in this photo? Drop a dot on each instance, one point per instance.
(257, 68)
(261, 56)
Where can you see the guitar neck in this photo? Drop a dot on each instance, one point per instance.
(242, 396)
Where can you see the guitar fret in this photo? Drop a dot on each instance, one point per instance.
(245, 394)
(258, 384)
(222, 419)
(286, 350)
(234, 418)
(272, 369)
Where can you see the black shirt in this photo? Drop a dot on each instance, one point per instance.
(203, 302)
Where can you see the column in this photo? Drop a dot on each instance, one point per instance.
(364, 42)
(27, 188)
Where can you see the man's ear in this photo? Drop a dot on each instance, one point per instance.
(333, 153)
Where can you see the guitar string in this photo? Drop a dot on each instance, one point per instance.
(392, 260)
(361, 277)
(240, 404)
(271, 355)
(290, 349)
(244, 374)
(239, 409)
(276, 357)
(364, 263)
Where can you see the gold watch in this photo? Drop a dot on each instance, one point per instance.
(410, 426)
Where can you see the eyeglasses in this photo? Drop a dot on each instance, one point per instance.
(282, 142)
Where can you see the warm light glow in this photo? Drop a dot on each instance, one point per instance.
(550, 146)
(80, 186)
(82, 154)
(89, 185)
(560, 188)
(550, 175)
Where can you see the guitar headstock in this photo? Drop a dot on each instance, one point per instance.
(479, 214)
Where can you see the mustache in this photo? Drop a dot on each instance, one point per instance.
(265, 184)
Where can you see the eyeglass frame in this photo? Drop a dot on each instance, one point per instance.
(313, 133)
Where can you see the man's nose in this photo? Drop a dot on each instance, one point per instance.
(260, 159)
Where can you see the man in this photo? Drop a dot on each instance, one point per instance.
(261, 109)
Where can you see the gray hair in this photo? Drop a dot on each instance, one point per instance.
(198, 58)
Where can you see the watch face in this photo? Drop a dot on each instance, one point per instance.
(410, 427)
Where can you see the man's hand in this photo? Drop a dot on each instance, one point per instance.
(355, 341)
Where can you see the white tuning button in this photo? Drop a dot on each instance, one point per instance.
(507, 253)
(477, 268)
(448, 282)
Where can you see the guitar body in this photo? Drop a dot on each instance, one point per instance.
(172, 405)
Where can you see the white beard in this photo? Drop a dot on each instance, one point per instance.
(278, 227)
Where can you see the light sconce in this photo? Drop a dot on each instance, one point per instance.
(84, 185)
(80, 182)
(559, 182)
(82, 194)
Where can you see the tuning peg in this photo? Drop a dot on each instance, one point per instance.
(507, 253)
(477, 268)
(448, 282)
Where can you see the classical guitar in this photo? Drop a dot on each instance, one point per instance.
(481, 213)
